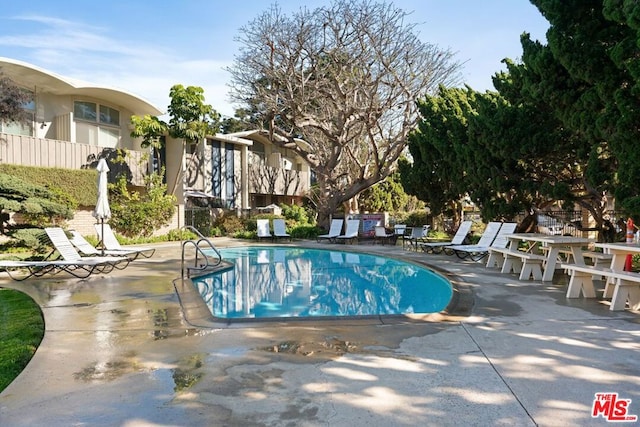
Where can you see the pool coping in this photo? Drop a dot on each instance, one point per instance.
(197, 314)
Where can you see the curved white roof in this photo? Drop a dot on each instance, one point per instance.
(29, 75)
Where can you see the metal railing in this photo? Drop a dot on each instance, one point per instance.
(202, 261)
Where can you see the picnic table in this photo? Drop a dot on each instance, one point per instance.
(553, 245)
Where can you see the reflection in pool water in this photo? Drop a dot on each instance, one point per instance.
(269, 282)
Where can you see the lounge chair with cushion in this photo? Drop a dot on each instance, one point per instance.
(458, 239)
(262, 227)
(280, 230)
(351, 232)
(110, 242)
(334, 231)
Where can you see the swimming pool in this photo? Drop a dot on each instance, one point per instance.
(294, 282)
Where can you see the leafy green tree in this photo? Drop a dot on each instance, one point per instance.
(12, 101)
(437, 174)
(337, 85)
(562, 125)
(190, 120)
(595, 42)
(140, 213)
(37, 204)
(389, 196)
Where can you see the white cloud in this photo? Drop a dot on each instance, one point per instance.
(89, 53)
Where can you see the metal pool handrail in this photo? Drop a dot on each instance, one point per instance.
(199, 252)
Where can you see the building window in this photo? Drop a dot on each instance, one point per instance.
(25, 128)
(101, 129)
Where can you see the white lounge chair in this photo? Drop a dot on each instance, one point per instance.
(418, 234)
(280, 230)
(22, 270)
(480, 250)
(351, 232)
(334, 230)
(88, 249)
(110, 242)
(263, 229)
(381, 235)
(458, 239)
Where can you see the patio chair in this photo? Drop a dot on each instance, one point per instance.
(495, 237)
(86, 248)
(22, 270)
(458, 239)
(351, 232)
(70, 262)
(280, 230)
(334, 231)
(418, 234)
(64, 247)
(110, 242)
(381, 235)
(262, 226)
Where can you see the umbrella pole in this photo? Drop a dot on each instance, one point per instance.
(102, 235)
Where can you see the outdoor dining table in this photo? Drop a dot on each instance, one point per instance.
(555, 244)
(619, 252)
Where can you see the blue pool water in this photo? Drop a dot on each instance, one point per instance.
(277, 282)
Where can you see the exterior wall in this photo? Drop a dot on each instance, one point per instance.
(54, 119)
(83, 222)
(265, 179)
(40, 152)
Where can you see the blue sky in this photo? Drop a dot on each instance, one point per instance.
(145, 47)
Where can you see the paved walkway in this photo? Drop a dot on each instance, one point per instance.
(118, 352)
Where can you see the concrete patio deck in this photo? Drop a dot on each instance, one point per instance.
(118, 351)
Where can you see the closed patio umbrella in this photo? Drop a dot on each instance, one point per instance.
(102, 210)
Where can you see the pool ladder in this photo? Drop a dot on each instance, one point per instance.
(202, 261)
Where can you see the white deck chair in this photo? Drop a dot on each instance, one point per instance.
(68, 252)
(458, 239)
(88, 249)
(381, 234)
(263, 229)
(351, 232)
(110, 242)
(334, 230)
(418, 234)
(280, 230)
(479, 250)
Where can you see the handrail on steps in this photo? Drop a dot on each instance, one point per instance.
(199, 251)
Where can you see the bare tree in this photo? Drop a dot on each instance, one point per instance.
(339, 85)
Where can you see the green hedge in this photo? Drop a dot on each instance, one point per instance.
(80, 184)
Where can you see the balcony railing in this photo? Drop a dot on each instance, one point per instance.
(53, 153)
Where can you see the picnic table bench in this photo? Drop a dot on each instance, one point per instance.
(626, 285)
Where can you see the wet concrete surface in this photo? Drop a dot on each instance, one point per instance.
(121, 350)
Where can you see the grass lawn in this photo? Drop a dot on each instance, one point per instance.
(22, 329)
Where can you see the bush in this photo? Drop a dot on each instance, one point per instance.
(417, 219)
(305, 232)
(33, 239)
(139, 214)
(231, 224)
(295, 213)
